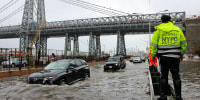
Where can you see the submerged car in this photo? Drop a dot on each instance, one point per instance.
(115, 63)
(137, 60)
(131, 59)
(61, 72)
(143, 59)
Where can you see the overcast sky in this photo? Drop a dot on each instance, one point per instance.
(59, 11)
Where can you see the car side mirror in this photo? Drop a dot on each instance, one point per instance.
(70, 68)
(71, 64)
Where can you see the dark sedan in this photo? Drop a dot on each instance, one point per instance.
(61, 72)
(115, 63)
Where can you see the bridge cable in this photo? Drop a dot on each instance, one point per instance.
(12, 13)
(98, 8)
(6, 5)
(9, 4)
(94, 7)
(105, 7)
(89, 7)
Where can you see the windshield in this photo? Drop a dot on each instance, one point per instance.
(14, 59)
(56, 66)
(136, 58)
(113, 59)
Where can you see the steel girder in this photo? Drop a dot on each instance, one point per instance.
(27, 18)
(30, 25)
(121, 49)
(67, 43)
(138, 23)
(115, 20)
(43, 45)
(92, 46)
(76, 46)
(40, 12)
(98, 45)
(23, 42)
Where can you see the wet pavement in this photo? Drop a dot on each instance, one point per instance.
(190, 76)
(130, 83)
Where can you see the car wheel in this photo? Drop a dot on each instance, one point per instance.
(62, 82)
(86, 76)
(13, 65)
(124, 67)
(69, 81)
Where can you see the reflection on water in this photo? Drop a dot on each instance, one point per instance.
(190, 76)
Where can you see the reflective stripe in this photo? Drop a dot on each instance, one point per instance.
(183, 41)
(155, 45)
(164, 51)
(182, 52)
(171, 46)
(171, 55)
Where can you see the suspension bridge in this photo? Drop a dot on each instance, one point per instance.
(118, 23)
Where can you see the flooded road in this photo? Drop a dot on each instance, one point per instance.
(130, 83)
(190, 76)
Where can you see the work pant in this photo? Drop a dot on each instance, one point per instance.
(171, 64)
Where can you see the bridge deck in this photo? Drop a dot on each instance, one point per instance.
(104, 25)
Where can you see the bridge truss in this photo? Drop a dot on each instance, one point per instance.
(94, 27)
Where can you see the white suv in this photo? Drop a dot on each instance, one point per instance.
(15, 62)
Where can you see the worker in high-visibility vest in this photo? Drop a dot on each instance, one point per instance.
(153, 63)
(168, 44)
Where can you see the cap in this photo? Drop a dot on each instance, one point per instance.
(165, 18)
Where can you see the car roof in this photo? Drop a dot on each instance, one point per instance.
(116, 57)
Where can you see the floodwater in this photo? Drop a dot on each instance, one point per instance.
(130, 83)
(190, 76)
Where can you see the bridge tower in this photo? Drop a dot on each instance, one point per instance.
(33, 15)
(121, 49)
(94, 44)
(67, 44)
